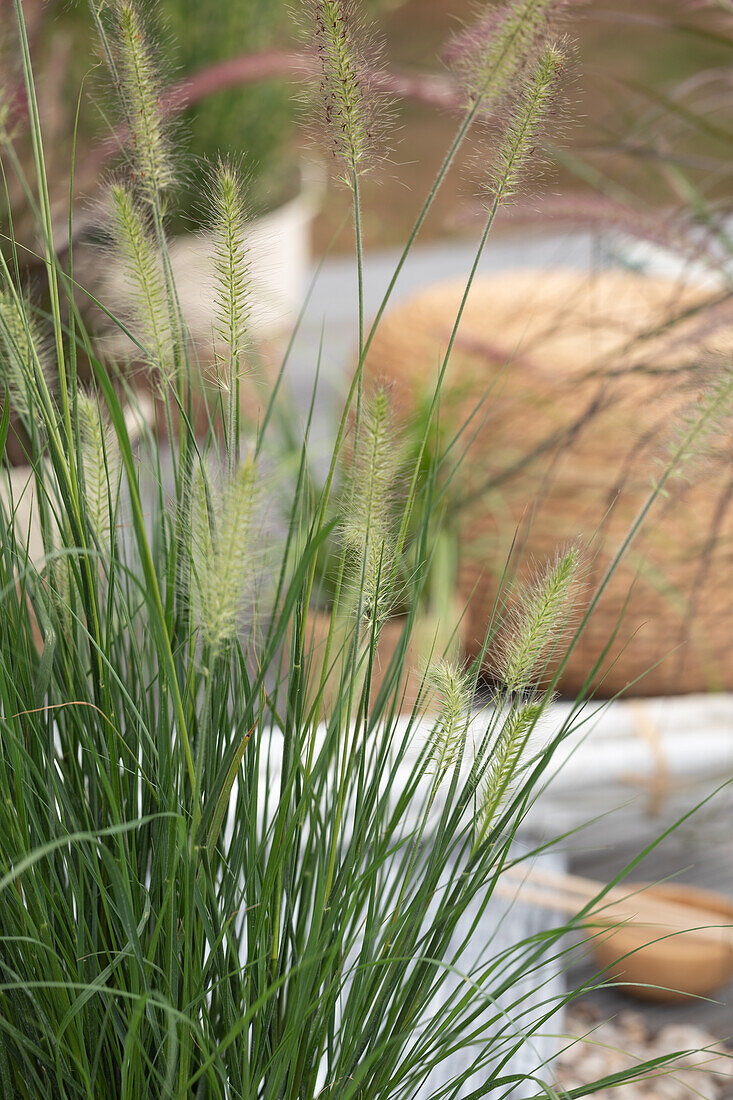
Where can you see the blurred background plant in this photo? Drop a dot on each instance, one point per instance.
(647, 121)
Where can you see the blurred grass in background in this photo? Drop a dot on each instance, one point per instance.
(649, 96)
(650, 99)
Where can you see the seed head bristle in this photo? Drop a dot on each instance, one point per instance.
(222, 550)
(451, 686)
(346, 103)
(519, 144)
(101, 466)
(139, 92)
(143, 272)
(20, 352)
(698, 425)
(231, 268)
(490, 56)
(506, 757)
(368, 530)
(537, 621)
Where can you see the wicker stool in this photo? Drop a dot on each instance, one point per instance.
(583, 379)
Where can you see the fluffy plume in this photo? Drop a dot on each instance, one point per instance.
(518, 146)
(452, 689)
(536, 622)
(231, 280)
(20, 351)
(100, 460)
(692, 437)
(139, 92)
(488, 57)
(143, 273)
(368, 530)
(222, 550)
(506, 757)
(346, 103)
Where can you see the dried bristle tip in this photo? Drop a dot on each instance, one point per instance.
(506, 757)
(19, 352)
(368, 528)
(101, 466)
(345, 101)
(222, 550)
(231, 269)
(537, 621)
(518, 146)
(142, 270)
(488, 58)
(139, 92)
(452, 688)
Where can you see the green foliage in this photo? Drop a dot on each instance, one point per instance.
(216, 880)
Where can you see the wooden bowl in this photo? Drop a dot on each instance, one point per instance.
(655, 965)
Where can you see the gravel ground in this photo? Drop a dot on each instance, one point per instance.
(607, 1046)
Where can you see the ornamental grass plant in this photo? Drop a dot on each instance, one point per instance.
(213, 884)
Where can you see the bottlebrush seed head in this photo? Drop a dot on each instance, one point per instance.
(368, 530)
(452, 689)
(537, 621)
(489, 57)
(222, 550)
(20, 350)
(519, 144)
(701, 424)
(346, 103)
(139, 92)
(506, 758)
(101, 466)
(231, 266)
(144, 279)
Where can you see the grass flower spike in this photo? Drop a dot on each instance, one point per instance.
(20, 345)
(139, 93)
(143, 272)
(693, 435)
(222, 551)
(518, 146)
(451, 686)
(506, 758)
(368, 530)
(488, 57)
(100, 459)
(537, 621)
(345, 102)
(231, 280)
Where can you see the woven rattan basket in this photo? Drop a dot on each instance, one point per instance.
(584, 378)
